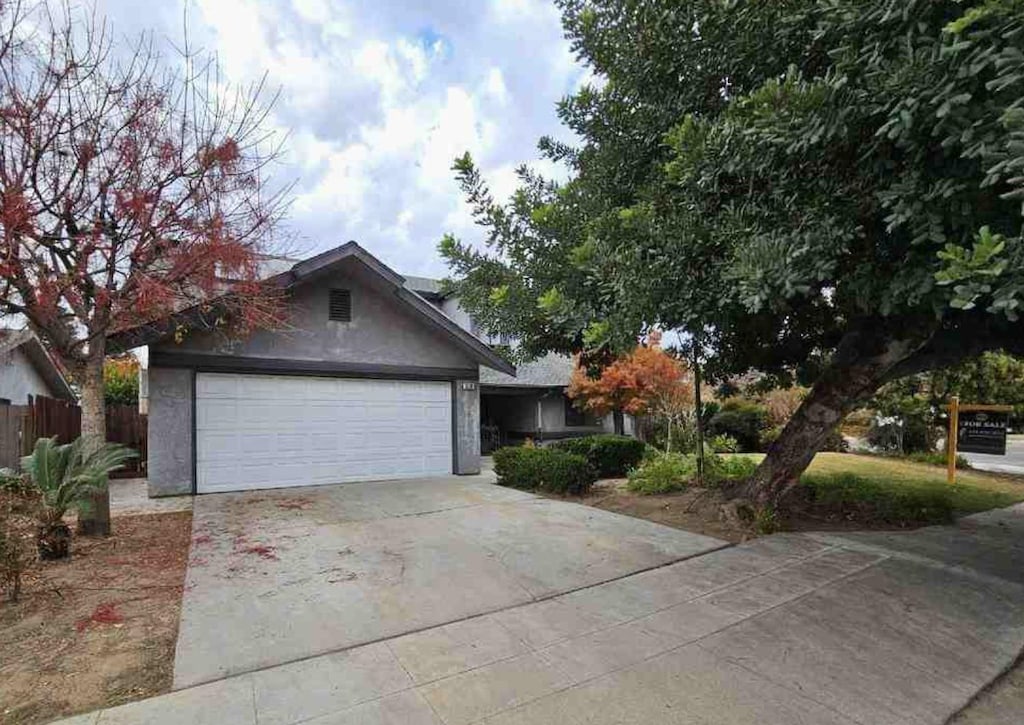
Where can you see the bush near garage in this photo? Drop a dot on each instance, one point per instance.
(612, 456)
(544, 469)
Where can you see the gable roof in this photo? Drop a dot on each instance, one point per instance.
(32, 347)
(306, 269)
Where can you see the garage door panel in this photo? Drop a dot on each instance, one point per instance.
(264, 431)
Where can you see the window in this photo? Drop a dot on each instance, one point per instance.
(574, 417)
(340, 306)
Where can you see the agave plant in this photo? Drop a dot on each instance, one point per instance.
(65, 476)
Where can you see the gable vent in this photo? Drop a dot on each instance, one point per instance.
(340, 306)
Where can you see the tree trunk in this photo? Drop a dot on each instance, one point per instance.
(95, 519)
(619, 423)
(860, 366)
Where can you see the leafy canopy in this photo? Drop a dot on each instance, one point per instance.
(775, 175)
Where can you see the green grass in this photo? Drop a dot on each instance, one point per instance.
(902, 491)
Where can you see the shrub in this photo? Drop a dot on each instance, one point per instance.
(742, 419)
(903, 424)
(724, 444)
(769, 436)
(851, 495)
(610, 455)
(781, 403)
(663, 473)
(766, 521)
(543, 469)
(718, 469)
(835, 442)
(669, 472)
(66, 476)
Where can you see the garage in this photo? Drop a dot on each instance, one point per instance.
(363, 379)
(274, 431)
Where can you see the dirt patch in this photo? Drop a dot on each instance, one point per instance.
(695, 509)
(99, 629)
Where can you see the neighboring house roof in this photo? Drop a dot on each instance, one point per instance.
(551, 371)
(308, 268)
(33, 349)
(428, 289)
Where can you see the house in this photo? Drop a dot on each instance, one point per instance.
(26, 369)
(371, 381)
(530, 404)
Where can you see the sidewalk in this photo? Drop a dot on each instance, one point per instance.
(857, 628)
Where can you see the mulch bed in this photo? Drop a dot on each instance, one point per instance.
(99, 628)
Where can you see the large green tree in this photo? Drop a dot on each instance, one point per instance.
(831, 187)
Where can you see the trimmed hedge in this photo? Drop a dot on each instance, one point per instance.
(612, 456)
(543, 469)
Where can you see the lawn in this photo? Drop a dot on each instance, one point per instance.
(974, 490)
(841, 491)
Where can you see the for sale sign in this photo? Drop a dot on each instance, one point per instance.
(982, 431)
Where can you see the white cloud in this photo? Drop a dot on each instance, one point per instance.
(378, 98)
(495, 87)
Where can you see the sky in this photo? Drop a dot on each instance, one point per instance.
(377, 97)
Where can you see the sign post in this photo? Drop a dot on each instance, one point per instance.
(975, 429)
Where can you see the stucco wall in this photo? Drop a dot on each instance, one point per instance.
(383, 330)
(467, 427)
(19, 379)
(170, 431)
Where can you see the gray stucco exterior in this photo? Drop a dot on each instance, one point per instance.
(466, 407)
(171, 411)
(19, 378)
(383, 331)
(386, 338)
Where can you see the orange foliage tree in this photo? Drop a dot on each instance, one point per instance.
(647, 381)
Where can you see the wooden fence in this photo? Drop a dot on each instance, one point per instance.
(10, 434)
(22, 425)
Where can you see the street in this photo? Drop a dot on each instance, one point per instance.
(1012, 462)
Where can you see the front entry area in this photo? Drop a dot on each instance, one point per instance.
(276, 431)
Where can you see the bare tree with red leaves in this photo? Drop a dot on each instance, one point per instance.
(129, 190)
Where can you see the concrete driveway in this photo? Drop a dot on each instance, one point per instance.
(811, 629)
(283, 575)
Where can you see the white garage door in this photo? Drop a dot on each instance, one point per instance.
(271, 431)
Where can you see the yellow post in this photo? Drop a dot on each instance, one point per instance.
(954, 425)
